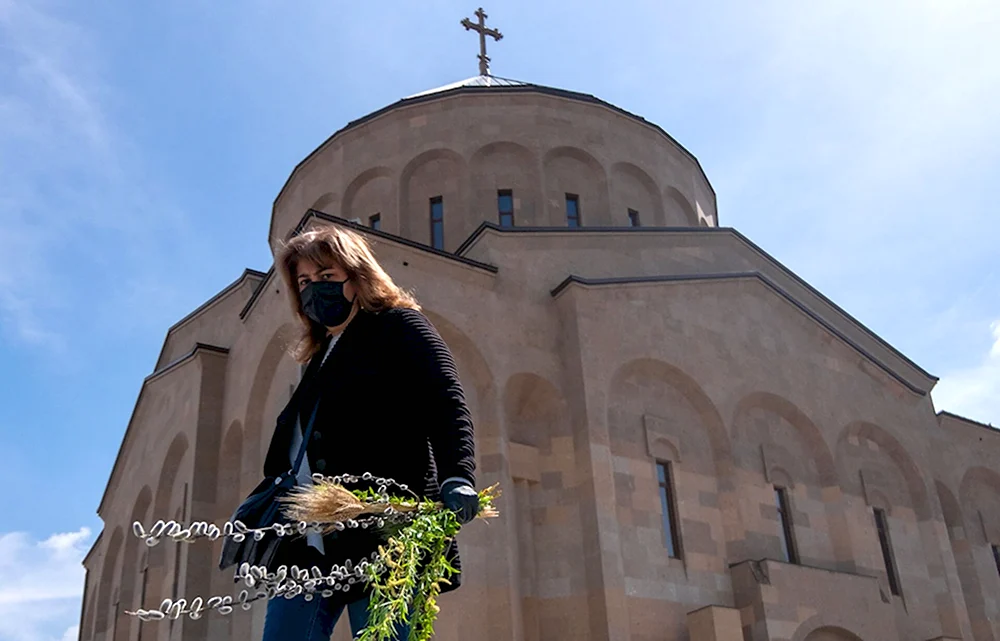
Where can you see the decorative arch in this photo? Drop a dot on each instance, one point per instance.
(534, 410)
(571, 170)
(275, 350)
(230, 468)
(107, 582)
(803, 426)
(980, 527)
(861, 431)
(692, 393)
(163, 500)
(950, 509)
(440, 172)
(773, 435)
(814, 630)
(372, 191)
(506, 165)
(680, 212)
(131, 567)
(979, 497)
(633, 188)
(323, 202)
(90, 604)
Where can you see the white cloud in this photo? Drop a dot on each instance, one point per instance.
(974, 392)
(41, 585)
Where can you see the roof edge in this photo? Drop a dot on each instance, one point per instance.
(483, 227)
(198, 347)
(969, 421)
(600, 282)
(225, 291)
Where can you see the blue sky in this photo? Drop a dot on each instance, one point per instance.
(141, 146)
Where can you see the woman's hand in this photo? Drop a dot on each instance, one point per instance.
(461, 498)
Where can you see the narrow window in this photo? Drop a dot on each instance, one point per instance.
(375, 222)
(787, 530)
(996, 556)
(882, 525)
(633, 218)
(572, 210)
(437, 223)
(505, 207)
(671, 533)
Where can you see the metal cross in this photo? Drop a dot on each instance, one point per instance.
(484, 60)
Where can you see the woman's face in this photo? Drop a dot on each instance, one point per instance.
(309, 272)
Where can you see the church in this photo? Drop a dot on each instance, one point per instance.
(693, 444)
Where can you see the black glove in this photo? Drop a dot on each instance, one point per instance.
(461, 498)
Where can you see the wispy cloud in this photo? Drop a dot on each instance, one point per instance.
(974, 392)
(867, 165)
(73, 197)
(41, 584)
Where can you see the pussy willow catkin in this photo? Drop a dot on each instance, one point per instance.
(325, 507)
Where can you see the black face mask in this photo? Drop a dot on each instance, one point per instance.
(325, 303)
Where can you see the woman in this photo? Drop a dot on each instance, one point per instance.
(390, 403)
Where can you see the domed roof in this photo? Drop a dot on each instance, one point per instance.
(475, 81)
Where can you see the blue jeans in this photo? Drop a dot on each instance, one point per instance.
(300, 620)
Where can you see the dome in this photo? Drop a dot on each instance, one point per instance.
(475, 81)
(435, 165)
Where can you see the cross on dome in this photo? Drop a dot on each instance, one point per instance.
(480, 27)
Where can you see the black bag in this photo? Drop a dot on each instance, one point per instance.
(262, 509)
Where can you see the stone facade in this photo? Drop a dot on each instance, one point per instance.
(593, 358)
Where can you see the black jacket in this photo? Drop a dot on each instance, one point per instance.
(390, 403)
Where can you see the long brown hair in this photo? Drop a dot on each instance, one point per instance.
(334, 245)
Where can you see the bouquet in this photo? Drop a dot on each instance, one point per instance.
(404, 576)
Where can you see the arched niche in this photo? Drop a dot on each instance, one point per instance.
(229, 492)
(778, 445)
(93, 587)
(979, 497)
(256, 437)
(873, 460)
(828, 633)
(131, 571)
(648, 395)
(167, 498)
(770, 430)
(106, 583)
(504, 165)
(373, 192)
(571, 170)
(657, 413)
(324, 202)
(534, 410)
(679, 211)
(437, 173)
(633, 188)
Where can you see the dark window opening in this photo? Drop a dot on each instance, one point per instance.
(375, 222)
(572, 210)
(437, 223)
(882, 525)
(668, 502)
(996, 556)
(633, 218)
(505, 207)
(787, 529)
